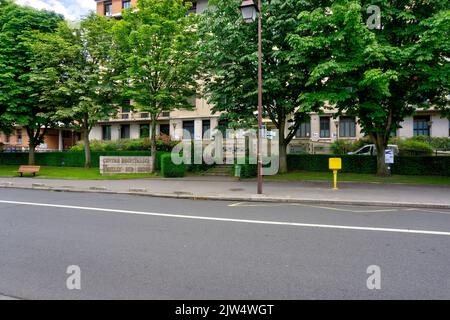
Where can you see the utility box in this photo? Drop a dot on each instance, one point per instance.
(335, 163)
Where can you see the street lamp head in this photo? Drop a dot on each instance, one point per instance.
(249, 10)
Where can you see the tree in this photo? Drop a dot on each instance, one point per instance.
(19, 99)
(229, 56)
(156, 48)
(74, 69)
(381, 75)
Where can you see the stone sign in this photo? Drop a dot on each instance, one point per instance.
(125, 165)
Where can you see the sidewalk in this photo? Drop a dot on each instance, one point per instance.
(218, 188)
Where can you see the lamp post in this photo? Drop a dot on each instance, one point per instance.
(250, 12)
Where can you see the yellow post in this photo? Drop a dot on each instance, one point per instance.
(335, 164)
(335, 172)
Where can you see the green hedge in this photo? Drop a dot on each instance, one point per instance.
(171, 170)
(70, 159)
(422, 166)
(319, 162)
(404, 165)
(250, 170)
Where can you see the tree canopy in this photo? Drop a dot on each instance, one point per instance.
(379, 75)
(230, 60)
(156, 49)
(73, 68)
(19, 98)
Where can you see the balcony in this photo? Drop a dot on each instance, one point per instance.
(135, 116)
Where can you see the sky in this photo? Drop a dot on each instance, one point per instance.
(71, 9)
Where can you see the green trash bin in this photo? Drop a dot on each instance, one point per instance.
(237, 171)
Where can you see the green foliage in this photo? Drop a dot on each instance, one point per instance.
(404, 165)
(165, 145)
(413, 147)
(155, 49)
(171, 170)
(229, 52)
(20, 102)
(70, 159)
(350, 163)
(342, 146)
(437, 143)
(382, 75)
(422, 165)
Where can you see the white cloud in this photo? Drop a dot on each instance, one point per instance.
(71, 9)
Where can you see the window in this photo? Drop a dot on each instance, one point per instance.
(165, 114)
(19, 136)
(126, 4)
(144, 130)
(66, 134)
(145, 115)
(126, 108)
(325, 127)
(7, 138)
(164, 129)
(347, 127)
(206, 126)
(106, 132)
(188, 129)
(108, 9)
(421, 126)
(366, 150)
(125, 131)
(304, 131)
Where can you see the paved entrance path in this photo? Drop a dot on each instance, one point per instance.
(276, 191)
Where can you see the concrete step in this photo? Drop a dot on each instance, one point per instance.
(220, 170)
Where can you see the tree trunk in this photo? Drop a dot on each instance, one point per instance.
(282, 147)
(87, 149)
(153, 142)
(283, 158)
(382, 167)
(31, 151)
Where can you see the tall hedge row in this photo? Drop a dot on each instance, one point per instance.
(71, 159)
(404, 165)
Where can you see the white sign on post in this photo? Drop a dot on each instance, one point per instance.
(389, 156)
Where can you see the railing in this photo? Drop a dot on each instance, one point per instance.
(136, 116)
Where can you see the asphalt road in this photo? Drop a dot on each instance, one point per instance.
(130, 247)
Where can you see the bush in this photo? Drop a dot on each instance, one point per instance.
(71, 159)
(438, 143)
(343, 146)
(319, 162)
(412, 147)
(169, 169)
(404, 165)
(163, 143)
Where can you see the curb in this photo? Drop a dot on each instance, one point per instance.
(255, 198)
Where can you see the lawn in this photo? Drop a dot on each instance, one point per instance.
(356, 177)
(71, 173)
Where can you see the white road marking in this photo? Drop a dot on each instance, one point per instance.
(279, 223)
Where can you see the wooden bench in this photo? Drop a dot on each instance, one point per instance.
(28, 169)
